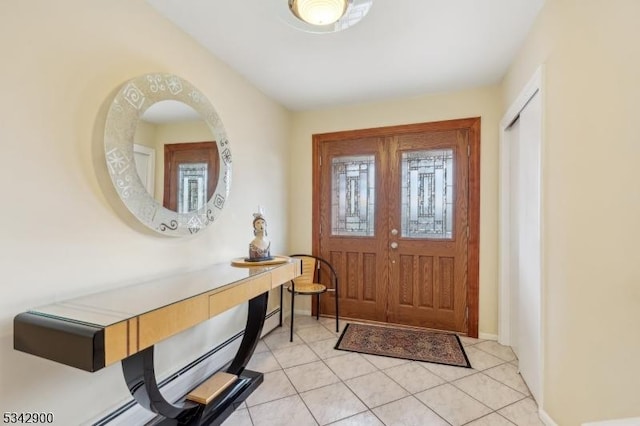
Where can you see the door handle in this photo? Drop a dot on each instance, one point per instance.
(394, 245)
(394, 231)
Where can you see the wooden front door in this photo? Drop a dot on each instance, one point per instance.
(353, 227)
(396, 213)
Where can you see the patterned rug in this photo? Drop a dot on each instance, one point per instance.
(413, 344)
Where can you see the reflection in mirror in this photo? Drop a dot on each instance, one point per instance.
(190, 175)
(176, 156)
(150, 116)
(145, 159)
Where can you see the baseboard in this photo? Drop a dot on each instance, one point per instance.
(186, 378)
(488, 336)
(546, 419)
(271, 322)
(635, 421)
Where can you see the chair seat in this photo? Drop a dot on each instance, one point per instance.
(312, 288)
(305, 283)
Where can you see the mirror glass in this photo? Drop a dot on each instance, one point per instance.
(168, 154)
(176, 156)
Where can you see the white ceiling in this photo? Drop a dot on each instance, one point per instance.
(169, 111)
(401, 48)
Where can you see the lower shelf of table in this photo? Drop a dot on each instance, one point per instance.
(217, 411)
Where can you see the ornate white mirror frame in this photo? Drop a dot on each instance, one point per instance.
(132, 100)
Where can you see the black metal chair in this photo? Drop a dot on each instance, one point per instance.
(309, 283)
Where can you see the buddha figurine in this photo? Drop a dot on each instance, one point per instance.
(259, 248)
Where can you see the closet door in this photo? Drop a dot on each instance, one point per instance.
(526, 287)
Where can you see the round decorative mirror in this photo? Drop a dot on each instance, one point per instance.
(167, 154)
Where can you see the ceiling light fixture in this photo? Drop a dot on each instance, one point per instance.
(319, 12)
(320, 16)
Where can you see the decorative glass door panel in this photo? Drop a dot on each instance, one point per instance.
(192, 187)
(353, 195)
(427, 194)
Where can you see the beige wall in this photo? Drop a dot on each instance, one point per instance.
(145, 134)
(484, 102)
(61, 64)
(591, 153)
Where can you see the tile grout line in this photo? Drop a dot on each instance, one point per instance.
(383, 371)
(507, 385)
(320, 387)
(509, 405)
(491, 378)
(350, 390)
(433, 387)
(342, 381)
(413, 394)
(370, 409)
(410, 394)
(294, 387)
(450, 382)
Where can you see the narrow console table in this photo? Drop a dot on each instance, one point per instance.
(124, 324)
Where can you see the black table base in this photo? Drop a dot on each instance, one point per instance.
(139, 374)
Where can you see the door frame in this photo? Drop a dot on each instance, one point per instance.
(534, 86)
(473, 252)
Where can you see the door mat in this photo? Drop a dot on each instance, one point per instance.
(396, 342)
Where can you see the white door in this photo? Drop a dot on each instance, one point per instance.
(145, 160)
(526, 287)
(514, 204)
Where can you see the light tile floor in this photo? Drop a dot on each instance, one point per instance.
(307, 382)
